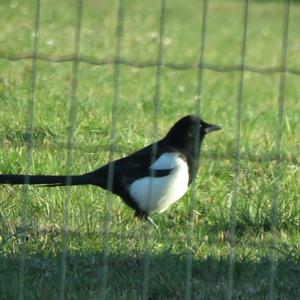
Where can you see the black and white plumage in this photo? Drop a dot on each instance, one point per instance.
(149, 180)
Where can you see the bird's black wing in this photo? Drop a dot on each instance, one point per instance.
(134, 166)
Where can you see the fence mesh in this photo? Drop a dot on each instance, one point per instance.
(159, 63)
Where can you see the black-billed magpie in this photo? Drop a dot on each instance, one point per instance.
(149, 180)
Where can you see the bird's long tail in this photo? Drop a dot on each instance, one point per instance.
(48, 180)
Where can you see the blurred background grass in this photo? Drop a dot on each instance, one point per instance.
(259, 246)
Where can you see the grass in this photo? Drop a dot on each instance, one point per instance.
(124, 260)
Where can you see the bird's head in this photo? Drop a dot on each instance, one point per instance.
(188, 131)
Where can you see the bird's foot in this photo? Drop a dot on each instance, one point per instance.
(141, 215)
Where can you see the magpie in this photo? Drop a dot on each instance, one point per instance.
(149, 180)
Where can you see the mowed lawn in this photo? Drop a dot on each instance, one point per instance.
(235, 234)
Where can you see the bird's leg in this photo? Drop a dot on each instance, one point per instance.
(150, 220)
(143, 215)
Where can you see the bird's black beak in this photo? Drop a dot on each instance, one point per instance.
(211, 127)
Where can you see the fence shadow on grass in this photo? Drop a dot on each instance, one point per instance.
(125, 276)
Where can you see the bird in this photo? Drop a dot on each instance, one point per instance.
(149, 180)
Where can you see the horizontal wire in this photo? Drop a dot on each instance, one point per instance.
(92, 149)
(147, 64)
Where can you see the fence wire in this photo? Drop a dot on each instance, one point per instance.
(156, 111)
(113, 132)
(117, 61)
(189, 263)
(236, 166)
(28, 151)
(154, 64)
(279, 133)
(70, 145)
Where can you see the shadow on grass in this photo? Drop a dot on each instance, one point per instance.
(167, 277)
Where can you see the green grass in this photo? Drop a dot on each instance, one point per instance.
(137, 256)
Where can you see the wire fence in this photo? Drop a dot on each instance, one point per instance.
(159, 63)
(147, 64)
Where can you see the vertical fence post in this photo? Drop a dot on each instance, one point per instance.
(112, 145)
(236, 164)
(28, 145)
(278, 155)
(156, 103)
(70, 145)
(188, 279)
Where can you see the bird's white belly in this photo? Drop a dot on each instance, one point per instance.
(156, 194)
